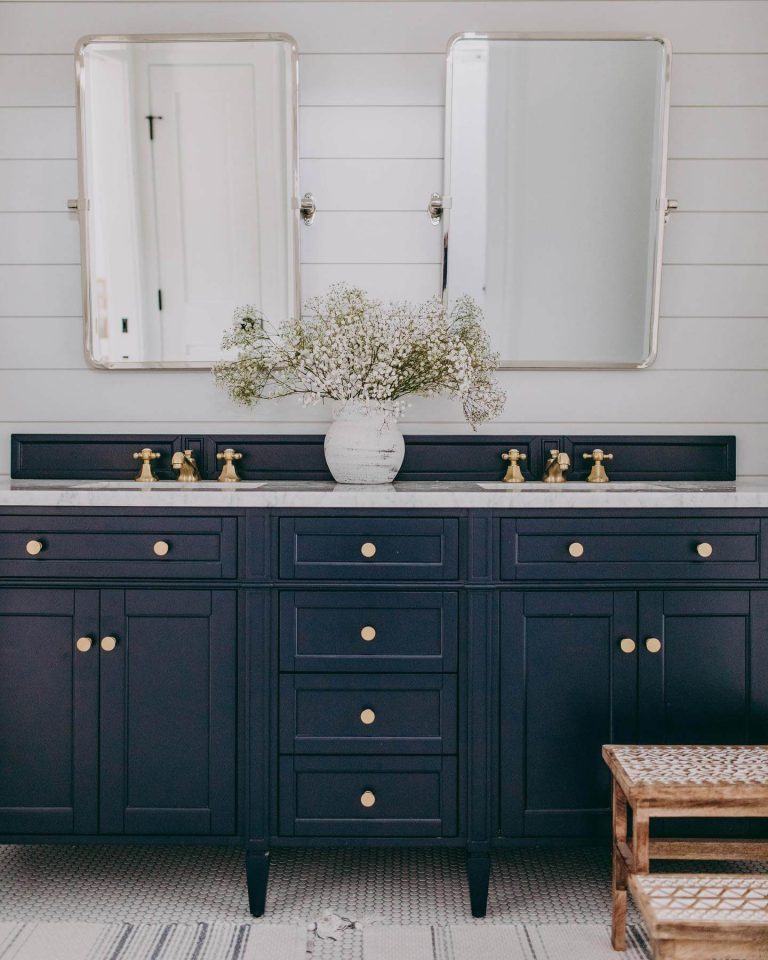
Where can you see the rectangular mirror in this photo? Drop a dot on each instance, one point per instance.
(555, 193)
(187, 192)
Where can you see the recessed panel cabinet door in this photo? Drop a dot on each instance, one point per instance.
(48, 709)
(566, 688)
(168, 712)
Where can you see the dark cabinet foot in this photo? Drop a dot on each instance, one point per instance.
(478, 874)
(257, 875)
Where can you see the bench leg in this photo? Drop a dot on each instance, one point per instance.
(619, 877)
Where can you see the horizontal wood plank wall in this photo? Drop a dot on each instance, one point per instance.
(372, 93)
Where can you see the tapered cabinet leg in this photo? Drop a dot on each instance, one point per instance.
(257, 875)
(478, 874)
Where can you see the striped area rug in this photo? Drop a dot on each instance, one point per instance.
(152, 941)
(514, 941)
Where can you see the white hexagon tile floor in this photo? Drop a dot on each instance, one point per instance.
(108, 884)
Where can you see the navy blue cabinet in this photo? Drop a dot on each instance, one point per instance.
(48, 711)
(565, 688)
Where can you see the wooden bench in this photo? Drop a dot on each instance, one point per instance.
(705, 917)
(680, 781)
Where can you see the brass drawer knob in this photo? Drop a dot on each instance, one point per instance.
(34, 547)
(84, 644)
(161, 548)
(368, 798)
(108, 644)
(628, 645)
(368, 549)
(368, 634)
(367, 717)
(576, 549)
(704, 550)
(653, 644)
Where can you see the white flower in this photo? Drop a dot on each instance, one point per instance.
(348, 346)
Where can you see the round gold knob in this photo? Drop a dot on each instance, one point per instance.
(108, 643)
(704, 550)
(84, 644)
(627, 645)
(367, 716)
(161, 548)
(368, 798)
(653, 644)
(368, 634)
(576, 549)
(34, 547)
(368, 549)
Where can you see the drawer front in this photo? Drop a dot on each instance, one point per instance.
(369, 548)
(653, 548)
(368, 796)
(371, 630)
(184, 547)
(368, 714)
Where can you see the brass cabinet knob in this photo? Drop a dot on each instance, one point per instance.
(108, 643)
(34, 547)
(161, 548)
(628, 645)
(704, 550)
(368, 798)
(653, 644)
(576, 549)
(84, 644)
(367, 717)
(368, 634)
(368, 549)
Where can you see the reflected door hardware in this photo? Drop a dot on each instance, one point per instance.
(597, 474)
(514, 473)
(308, 209)
(669, 207)
(437, 206)
(151, 117)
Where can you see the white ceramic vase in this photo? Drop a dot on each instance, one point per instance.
(363, 445)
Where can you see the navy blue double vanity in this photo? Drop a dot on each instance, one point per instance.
(283, 662)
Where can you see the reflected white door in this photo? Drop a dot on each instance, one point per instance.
(204, 150)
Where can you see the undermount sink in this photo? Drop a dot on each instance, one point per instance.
(617, 486)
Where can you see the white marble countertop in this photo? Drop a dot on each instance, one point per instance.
(420, 495)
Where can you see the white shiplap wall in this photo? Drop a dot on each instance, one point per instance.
(372, 89)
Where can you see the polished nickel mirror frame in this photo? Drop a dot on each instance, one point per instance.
(81, 204)
(665, 205)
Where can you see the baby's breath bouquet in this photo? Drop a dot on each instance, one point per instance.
(353, 349)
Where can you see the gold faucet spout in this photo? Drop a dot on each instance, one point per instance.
(184, 461)
(557, 464)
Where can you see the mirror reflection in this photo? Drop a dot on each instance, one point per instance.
(188, 172)
(555, 194)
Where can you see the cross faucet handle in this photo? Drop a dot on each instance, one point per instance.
(597, 474)
(146, 474)
(228, 472)
(514, 473)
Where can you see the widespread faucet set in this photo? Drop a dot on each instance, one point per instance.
(184, 461)
(557, 464)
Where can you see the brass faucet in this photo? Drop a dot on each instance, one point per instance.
(514, 474)
(228, 472)
(146, 474)
(184, 462)
(557, 464)
(597, 474)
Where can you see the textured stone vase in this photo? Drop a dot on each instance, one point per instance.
(363, 446)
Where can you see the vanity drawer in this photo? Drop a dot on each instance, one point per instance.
(123, 546)
(369, 548)
(368, 713)
(370, 630)
(652, 548)
(368, 796)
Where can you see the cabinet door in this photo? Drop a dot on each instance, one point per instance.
(48, 711)
(695, 687)
(168, 712)
(566, 688)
